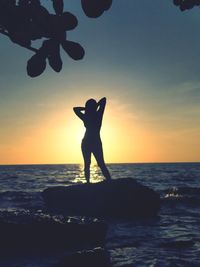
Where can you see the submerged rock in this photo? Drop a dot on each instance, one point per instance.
(25, 230)
(97, 257)
(115, 198)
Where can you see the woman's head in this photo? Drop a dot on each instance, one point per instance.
(91, 105)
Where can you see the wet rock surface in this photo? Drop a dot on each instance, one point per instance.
(116, 198)
(39, 231)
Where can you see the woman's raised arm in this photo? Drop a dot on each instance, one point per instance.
(78, 112)
(101, 106)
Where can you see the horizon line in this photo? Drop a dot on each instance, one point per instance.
(158, 162)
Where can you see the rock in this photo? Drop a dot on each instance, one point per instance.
(25, 230)
(115, 198)
(97, 257)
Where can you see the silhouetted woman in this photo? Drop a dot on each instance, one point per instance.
(92, 115)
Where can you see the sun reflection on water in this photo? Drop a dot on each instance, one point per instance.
(95, 174)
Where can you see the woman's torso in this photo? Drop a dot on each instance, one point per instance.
(92, 124)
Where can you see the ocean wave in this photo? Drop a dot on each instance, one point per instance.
(186, 195)
(21, 199)
(178, 191)
(178, 244)
(18, 195)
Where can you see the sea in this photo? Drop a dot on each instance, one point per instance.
(170, 239)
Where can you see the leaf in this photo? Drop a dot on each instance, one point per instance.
(35, 3)
(95, 8)
(55, 62)
(106, 4)
(68, 21)
(177, 2)
(35, 32)
(23, 3)
(40, 20)
(36, 65)
(58, 25)
(54, 57)
(20, 38)
(58, 6)
(74, 50)
(92, 8)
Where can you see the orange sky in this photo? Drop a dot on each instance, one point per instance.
(56, 138)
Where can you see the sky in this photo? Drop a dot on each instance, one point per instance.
(142, 55)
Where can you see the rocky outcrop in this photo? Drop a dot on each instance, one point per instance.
(39, 231)
(116, 198)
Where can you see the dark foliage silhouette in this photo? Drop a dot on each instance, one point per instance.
(186, 4)
(95, 8)
(92, 115)
(25, 21)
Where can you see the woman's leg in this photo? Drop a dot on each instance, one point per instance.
(98, 154)
(87, 159)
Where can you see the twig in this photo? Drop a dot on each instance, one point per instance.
(27, 47)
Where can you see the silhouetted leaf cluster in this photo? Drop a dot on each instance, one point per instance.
(25, 21)
(186, 4)
(95, 8)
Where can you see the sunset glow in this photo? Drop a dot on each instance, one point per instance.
(125, 139)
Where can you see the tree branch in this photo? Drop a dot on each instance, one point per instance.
(27, 47)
